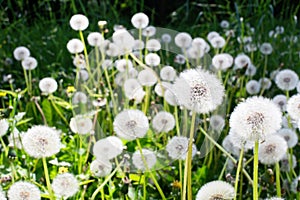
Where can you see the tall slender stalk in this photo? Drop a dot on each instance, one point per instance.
(255, 172)
(238, 172)
(278, 187)
(48, 179)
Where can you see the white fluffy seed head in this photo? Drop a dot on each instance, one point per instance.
(41, 141)
(222, 61)
(79, 22)
(166, 38)
(255, 118)
(149, 31)
(4, 125)
(79, 97)
(95, 39)
(81, 125)
(133, 90)
(149, 156)
(140, 20)
(198, 90)
(131, 124)
(108, 148)
(177, 148)
(147, 77)
(152, 59)
(216, 190)
(242, 61)
(168, 73)
(280, 100)
(217, 122)
(20, 53)
(289, 135)
(252, 87)
(217, 42)
(100, 168)
(65, 185)
(285, 163)
(48, 85)
(75, 46)
(293, 107)
(272, 149)
(23, 190)
(153, 45)
(286, 80)
(29, 63)
(123, 65)
(163, 122)
(265, 83)
(266, 48)
(183, 40)
(212, 35)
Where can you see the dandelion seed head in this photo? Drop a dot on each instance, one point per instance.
(95, 39)
(81, 125)
(242, 61)
(152, 59)
(65, 185)
(108, 148)
(252, 87)
(79, 97)
(168, 73)
(183, 40)
(286, 80)
(79, 22)
(200, 44)
(48, 85)
(293, 107)
(23, 190)
(147, 77)
(251, 70)
(163, 122)
(153, 45)
(212, 35)
(177, 147)
(75, 46)
(41, 141)
(216, 122)
(218, 42)
(20, 53)
(272, 149)
(281, 101)
(224, 24)
(266, 48)
(149, 156)
(100, 168)
(140, 20)
(122, 65)
(265, 83)
(285, 163)
(149, 31)
(29, 63)
(222, 61)
(289, 135)
(133, 90)
(166, 38)
(216, 190)
(131, 124)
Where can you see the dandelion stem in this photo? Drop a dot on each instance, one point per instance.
(47, 179)
(278, 187)
(40, 110)
(26, 80)
(147, 168)
(223, 170)
(255, 172)
(236, 184)
(147, 100)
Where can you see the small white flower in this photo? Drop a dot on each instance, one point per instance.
(216, 190)
(48, 85)
(131, 124)
(23, 190)
(163, 122)
(124, 41)
(79, 22)
(20, 53)
(200, 44)
(140, 20)
(83, 75)
(138, 162)
(108, 148)
(81, 125)
(224, 24)
(251, 70)
(100, 168)
(75, 46)
(272, 149)
(29, 63)
(65, 185)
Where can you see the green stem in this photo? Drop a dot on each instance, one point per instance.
(223, 170)
(147, 99)
(278, 187)
(48, 179)
(26, 80)
(150, 173)
(236, 184)
(255, 171)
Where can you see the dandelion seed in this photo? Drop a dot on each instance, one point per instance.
(4, 125)
(177, 147)
(255, 118)
(216, 190)
(41, 141)
(100, 168)
(29, 63)
(163, 122)
(108, 148)
(251, 70)
(140, 20)
(224, 24)
(198, 90)
(131, 124)
(280, 100)
(222, 61)
(253, 87)
(95, 39)
(195, 53)
(183, 40)
(79, 22)
(48, 85)
(272, 149)
(286, 80)
(200, 44)
(81, 125)
(218, 42)
(266, 48)
(212, 35)
(75, 46)
(124, 41)
(65, 185)
(133, 90)
(147, 77)
(293, 107)
(289, 135)
(166, 38)
(138, 162)
(153, 45)
(152, 59)
(23, 190)
(168, 73)
(20, 53)
(123, 65)
(285, 163)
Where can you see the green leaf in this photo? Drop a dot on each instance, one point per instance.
(46, 107)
